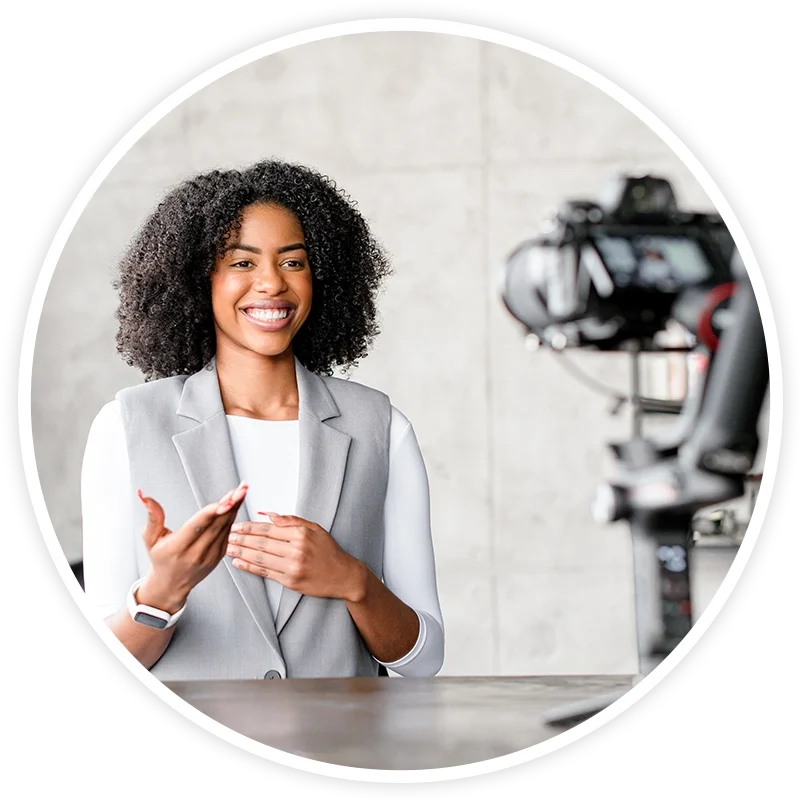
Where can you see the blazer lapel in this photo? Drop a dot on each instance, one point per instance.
(323, 458)
(208, 459)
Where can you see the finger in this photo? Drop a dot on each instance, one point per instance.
(286, 520)
(225, 498)
(215, 539)
(155, 519)
(252, 527)
(266, 531)
(257, 562)
(232, 498)
(208, 526)
(205, 520)
(155, 513)
(227, 517)
(258, 543)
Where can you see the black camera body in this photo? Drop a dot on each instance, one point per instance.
(613, 271)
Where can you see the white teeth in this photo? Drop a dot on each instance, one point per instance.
(267, 314)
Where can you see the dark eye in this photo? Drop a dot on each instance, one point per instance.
(242, 265)
(293, 264)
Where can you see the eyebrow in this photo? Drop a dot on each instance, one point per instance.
(252, 249)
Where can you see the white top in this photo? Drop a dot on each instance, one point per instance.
(109, 558)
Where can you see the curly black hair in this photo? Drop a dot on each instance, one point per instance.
(165, 317)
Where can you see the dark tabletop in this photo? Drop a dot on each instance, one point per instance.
(394, 723)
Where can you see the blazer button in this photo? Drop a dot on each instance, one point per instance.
(272, 674)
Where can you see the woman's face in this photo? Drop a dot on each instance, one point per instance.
(261, 287)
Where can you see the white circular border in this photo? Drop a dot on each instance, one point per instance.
(305, 37)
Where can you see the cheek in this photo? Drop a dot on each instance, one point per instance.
(305, 289)
(300, 286)
(226, 291)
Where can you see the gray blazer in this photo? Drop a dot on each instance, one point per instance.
(180, 453)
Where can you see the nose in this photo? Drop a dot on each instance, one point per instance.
(269, 279)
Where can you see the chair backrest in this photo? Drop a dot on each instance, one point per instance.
(77, 571)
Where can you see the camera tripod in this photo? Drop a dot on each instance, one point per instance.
(662, 484)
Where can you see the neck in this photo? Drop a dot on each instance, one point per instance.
(252, 385)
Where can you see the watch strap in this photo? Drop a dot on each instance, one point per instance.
(149, 615)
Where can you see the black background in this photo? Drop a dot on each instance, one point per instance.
(63, 122)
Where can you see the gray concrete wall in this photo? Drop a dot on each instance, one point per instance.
(454, 149)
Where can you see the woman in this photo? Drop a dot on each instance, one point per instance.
(282, 527)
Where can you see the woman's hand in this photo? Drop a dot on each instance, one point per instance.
(181, 559)
(304, 557)
(298, 554)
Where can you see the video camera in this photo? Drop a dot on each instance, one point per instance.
(610, 275)
(615, 270)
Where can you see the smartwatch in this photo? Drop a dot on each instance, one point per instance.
(149, 615)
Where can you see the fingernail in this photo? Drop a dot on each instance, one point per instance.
(141, 496)
(236, 527)
(268, 514)
(224, 507)
(233, 538)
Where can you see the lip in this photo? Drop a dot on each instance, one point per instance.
(269, 325)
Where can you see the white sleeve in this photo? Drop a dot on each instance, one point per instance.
(109, 554)
(409, 569)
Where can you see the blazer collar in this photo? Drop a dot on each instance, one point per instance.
(201, 400)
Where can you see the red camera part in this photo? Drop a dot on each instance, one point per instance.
(714, 300)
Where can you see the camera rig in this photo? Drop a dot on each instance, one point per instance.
(609, 276)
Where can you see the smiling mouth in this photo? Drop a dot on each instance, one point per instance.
(268, 319)
(267, 314)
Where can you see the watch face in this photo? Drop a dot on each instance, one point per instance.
(150, 620)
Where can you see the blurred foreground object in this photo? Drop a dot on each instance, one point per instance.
(613, 274)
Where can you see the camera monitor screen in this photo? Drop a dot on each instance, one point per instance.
(662, 263)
